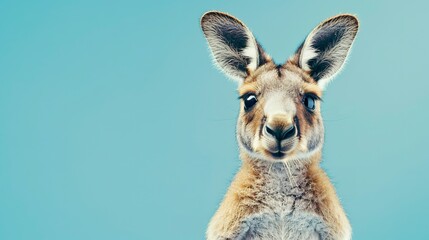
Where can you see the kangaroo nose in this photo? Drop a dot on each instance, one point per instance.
(281, 133)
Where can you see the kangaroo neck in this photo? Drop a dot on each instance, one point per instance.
(280, 175)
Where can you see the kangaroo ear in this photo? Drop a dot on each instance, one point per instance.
(325, 49)
(233, 46)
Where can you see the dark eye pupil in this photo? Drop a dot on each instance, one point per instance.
(249, 101)
(309, 102)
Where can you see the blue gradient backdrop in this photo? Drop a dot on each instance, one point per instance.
(114, 124)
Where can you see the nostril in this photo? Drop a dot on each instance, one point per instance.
(276, 132)
(289, 132)
(270, 131)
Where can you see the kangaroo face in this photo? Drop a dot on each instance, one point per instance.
(280, 104)
(280, 113)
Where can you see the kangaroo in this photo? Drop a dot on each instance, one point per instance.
(280, 191)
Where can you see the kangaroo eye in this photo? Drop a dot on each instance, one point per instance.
(309, 102)
(249, 101)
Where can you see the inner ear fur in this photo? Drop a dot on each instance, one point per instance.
(234, 48)
(325, 50)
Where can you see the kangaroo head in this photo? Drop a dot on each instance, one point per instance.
(280, 115)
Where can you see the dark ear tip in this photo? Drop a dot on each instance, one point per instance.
(216, 16)
(210, 15)
(206, 16)
(351, 19)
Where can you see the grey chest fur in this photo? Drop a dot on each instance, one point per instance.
(286, 210)
(284, 225)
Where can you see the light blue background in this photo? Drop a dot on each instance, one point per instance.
(114, 124)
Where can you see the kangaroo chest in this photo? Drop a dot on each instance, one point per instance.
(285, 223)
(286, 210)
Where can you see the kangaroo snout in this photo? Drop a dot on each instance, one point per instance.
(280, 133)
(280, 127)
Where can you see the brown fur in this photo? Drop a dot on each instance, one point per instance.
(244, 196)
